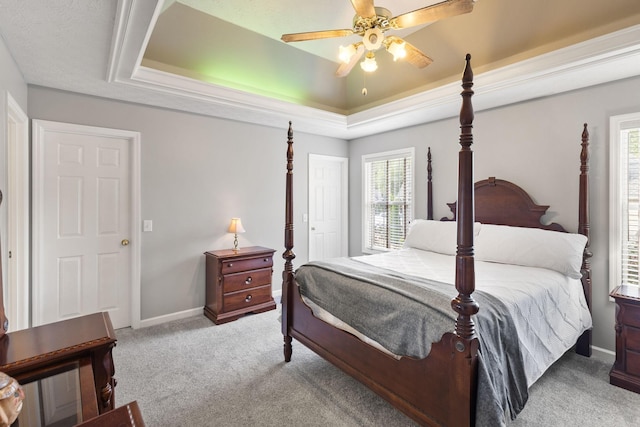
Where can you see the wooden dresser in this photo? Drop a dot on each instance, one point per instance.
(238, 282)
(626, 369)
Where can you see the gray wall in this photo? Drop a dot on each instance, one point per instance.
(535, 144)
(196, 174)
(11, 82)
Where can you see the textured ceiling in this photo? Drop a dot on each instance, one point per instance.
(225, 58)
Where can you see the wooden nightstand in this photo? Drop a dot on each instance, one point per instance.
(238, 283)
(626, 369)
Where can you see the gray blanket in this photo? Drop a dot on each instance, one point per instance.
(405, 314)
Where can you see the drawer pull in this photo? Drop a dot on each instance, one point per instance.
(248, 281)
(248, 298)
(230, 265)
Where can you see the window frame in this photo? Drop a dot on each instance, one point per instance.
(616, 154)
(408, 153)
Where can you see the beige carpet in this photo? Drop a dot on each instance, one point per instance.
(193, 373)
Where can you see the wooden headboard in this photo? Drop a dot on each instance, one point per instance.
(504, 203)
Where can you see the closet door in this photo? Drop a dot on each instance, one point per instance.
(83, 244)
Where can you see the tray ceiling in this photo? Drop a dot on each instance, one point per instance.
(225, 58)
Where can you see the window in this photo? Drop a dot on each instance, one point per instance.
(624, 192)
(388, 199)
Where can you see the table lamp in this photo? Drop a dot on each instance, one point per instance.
(235, 227)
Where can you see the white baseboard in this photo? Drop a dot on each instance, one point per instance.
(169, 317)
(603, 354)
(192, 312)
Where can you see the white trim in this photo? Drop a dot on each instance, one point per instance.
(603, 354)
(18, 280)
(123, 11)
(38, 128)
(615, 202)
(192, 312)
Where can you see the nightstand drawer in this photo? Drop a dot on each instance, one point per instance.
(233, 265)
(246, 279)
(248, 298)
(631, 315)
(633, 338)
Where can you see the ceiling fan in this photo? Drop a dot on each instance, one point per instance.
(372, 22)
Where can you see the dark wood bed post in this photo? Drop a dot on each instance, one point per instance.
(429, 185)
(583, 347)
(465, 341)
(288, 255)
(464, 303)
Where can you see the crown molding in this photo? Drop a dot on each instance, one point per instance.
(603, 59)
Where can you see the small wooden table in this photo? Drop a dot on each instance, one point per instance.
(82, 343)
(626, 369)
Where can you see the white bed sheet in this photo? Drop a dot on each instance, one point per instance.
(549, 309)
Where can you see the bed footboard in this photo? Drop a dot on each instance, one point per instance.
(437, 390)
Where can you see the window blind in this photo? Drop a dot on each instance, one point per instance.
(630, 195)
(388, 199)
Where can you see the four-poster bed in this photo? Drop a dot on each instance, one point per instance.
(440, 387)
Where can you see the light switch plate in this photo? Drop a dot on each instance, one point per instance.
(147, 225)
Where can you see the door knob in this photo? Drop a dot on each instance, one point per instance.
(124, 242)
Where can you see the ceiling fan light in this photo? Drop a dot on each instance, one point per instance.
(397, 49)
(346, 53)
(369, 64)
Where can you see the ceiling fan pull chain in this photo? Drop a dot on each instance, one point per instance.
(364, 83)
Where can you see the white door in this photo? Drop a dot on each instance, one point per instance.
(84, 238)
(327, 207)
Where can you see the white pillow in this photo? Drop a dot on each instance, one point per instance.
(532, 247)
(435, 236)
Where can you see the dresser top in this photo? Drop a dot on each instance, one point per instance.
(247, 251)
(54, 341)
(627, 291)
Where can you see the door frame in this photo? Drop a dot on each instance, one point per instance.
(343, 202)
(39, 128)
(16, 252)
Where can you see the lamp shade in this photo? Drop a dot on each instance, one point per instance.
(236, 226)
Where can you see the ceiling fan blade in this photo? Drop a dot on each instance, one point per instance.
(315, 35)
(416, 57)
(364, 8)
(413, 55)
(432, 13)
(345, 68)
